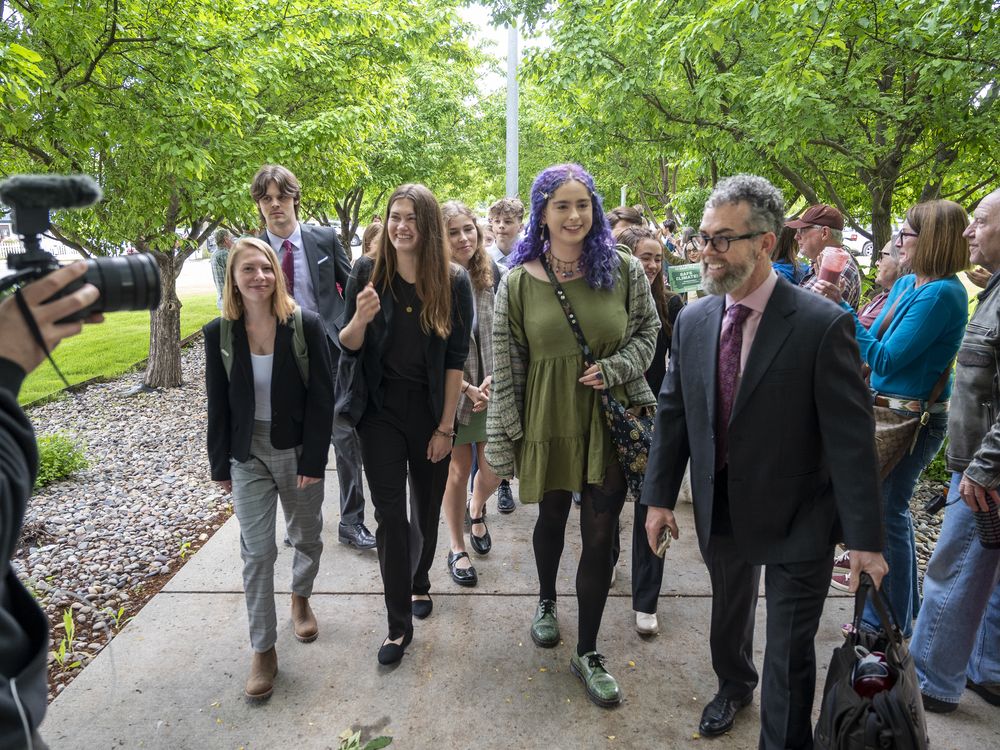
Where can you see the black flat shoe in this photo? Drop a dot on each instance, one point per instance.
(421, 608)
(720, 715)
(481, 544)
(461, 576)
(390, 653)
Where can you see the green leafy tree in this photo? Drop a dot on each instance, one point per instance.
(869, 106)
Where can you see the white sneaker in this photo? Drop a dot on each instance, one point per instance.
(646, 624)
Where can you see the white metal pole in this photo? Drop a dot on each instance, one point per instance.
(623, 195)
(512, 130)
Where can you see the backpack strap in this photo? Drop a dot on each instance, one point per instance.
(299, 346)
(226, 344)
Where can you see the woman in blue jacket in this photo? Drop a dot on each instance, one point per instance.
(910, 347)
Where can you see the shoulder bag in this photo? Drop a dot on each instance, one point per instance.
(896, 434)
(631, 434)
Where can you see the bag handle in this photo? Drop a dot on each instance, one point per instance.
(865, 590)
(588, 357)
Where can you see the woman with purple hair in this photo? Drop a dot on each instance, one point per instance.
(544, 421)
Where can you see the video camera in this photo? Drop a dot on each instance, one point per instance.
(130, 282)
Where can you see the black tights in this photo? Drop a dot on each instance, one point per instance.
(599, 509)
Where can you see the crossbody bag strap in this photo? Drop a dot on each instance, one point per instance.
(887, 319)
(588, 357)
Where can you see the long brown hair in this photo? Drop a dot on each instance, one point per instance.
(433, 267)
(480, 264)
(632, 238)
(282, 305)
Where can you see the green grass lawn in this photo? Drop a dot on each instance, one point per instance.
(111, 348)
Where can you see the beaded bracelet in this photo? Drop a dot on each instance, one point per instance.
(442, 433)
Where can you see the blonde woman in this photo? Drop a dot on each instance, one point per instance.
(465, 240)
(268, 437)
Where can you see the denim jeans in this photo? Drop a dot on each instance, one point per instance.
(900, 585)
(957, 634)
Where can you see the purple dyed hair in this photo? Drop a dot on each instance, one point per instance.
(599, 257)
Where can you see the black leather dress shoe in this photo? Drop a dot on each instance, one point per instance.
(356, 536)
(505, 498)
(719, 715)
(461, 576)
(390, 653)
(421, 608)
(481, 544)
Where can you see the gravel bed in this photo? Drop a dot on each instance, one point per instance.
(101, 543)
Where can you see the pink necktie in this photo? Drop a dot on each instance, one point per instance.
(288, 266)
(730, 346)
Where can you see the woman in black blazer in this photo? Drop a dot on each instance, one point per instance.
(270, 413)
(408, 318)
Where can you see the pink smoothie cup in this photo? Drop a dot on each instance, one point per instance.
(834, 261)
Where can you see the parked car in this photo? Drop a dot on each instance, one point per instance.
(855, 241)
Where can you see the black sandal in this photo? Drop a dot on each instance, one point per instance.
(461, 576)
(481, 544)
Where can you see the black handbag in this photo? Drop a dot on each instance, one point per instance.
(892, 718)
(631, 434)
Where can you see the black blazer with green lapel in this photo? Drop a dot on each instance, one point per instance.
(801, 459)
(299, 415)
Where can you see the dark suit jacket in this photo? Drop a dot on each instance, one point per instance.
(802, 470)
(328, 266)
(439, 354)
(299, 415)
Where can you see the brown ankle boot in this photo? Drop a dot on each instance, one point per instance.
(263, 669)
(303, 619)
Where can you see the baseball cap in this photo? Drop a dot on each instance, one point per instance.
(821, 215)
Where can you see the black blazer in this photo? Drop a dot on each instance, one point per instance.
(802, 468)
(328, 266)
(440, 354)
(299, 415)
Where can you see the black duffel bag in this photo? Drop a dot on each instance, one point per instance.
(892, 718)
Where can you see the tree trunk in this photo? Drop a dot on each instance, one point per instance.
(164, 367)
(881, 219)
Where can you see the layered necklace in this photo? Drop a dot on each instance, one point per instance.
(567, 269)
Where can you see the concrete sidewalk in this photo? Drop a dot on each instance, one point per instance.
(472, 678)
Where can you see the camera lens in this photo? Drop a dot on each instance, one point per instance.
(128, 282)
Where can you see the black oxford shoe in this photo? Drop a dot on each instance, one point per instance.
(719, 715)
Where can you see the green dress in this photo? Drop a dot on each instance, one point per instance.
(566, 441)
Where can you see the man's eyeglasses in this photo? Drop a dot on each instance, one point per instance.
(803, 230)
(720, 242)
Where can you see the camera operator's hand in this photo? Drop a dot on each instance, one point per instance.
(17, 344)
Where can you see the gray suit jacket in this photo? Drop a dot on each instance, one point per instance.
(802, 469)
(328, 266)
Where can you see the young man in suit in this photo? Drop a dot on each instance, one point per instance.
(764, 395)
(316, 267)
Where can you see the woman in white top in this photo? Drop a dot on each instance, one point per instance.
(270, 414)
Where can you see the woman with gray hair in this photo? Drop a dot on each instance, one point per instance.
(889, 269)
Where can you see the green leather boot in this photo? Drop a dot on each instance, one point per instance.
(545, 626)
(602, 688)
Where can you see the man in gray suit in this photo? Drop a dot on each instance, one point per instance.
(316, 266)
(764, 394)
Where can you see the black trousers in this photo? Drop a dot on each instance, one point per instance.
(647, 568)
(794, 594)
(394, 450)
